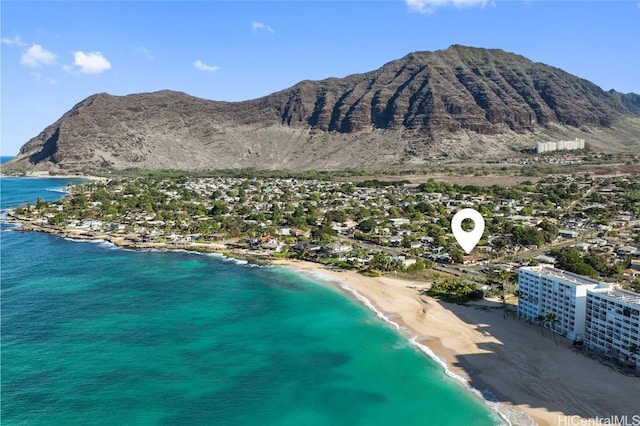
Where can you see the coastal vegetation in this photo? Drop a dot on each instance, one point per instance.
(376, 226)
(456, 290)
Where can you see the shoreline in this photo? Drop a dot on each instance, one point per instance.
(314, 271)
(87, 177)
(522, 376)
(519, 373)
(428, 345)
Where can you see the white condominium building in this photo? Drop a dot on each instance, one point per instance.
(605, 316)
(612, 321)
(544, 289)
(543, 147)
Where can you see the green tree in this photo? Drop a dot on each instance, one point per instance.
(596, 261)
(337, 216)
(504, 278)
(634, 351)
(540, 319)
(552, 321)
(324, 234)
(456, 290)
(380, 262)
(346, 188)
(385, 262)
(367, 225)
(457, 255)
(57, 219)
(219, 208)
(527, 236)
(568, 258)
(41, 204)
(549, 231)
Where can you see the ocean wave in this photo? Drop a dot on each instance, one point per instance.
(234, 260)
(60, 190)
(508, 415)
(6, 224)
(83, 240)
(98, 241)
(219, 256)
(365, 301)
(150, 250)
(316, 276)
(10, 226)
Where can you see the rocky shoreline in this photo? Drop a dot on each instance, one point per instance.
(133, 241)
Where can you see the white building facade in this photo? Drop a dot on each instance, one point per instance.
(543, 147)
(544, 289)
(612, 322)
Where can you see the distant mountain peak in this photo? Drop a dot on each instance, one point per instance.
(466, 102)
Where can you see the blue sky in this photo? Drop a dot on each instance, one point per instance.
(54, 54)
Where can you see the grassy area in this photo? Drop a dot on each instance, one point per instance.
(426, 275)
(337, 263)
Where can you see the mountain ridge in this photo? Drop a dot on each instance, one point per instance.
(462, 101)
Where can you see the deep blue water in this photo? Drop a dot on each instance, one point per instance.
(96, 335)
(16, 191)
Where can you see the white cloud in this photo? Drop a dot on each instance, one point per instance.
(36, 56)
(430, 6)
(89, 63)
(204, 67)
(16, 41)
(261, 26)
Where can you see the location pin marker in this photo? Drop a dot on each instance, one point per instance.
(467, 240)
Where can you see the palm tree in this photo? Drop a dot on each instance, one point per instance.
(381, 262)
(503, 300)
(505, 277)
(304, 252)
(552, 320)
(634, 351)
(540, 319)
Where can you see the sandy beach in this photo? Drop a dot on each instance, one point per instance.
(531, 380)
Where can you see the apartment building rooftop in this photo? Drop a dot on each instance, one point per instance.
(570, 277)
(625, 296)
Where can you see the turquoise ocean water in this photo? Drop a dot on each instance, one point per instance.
(96, 335)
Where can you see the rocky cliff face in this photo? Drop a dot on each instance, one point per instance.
(458, 88)
(464, 102)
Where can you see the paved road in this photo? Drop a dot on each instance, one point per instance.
(585, 195)
(542, 250)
